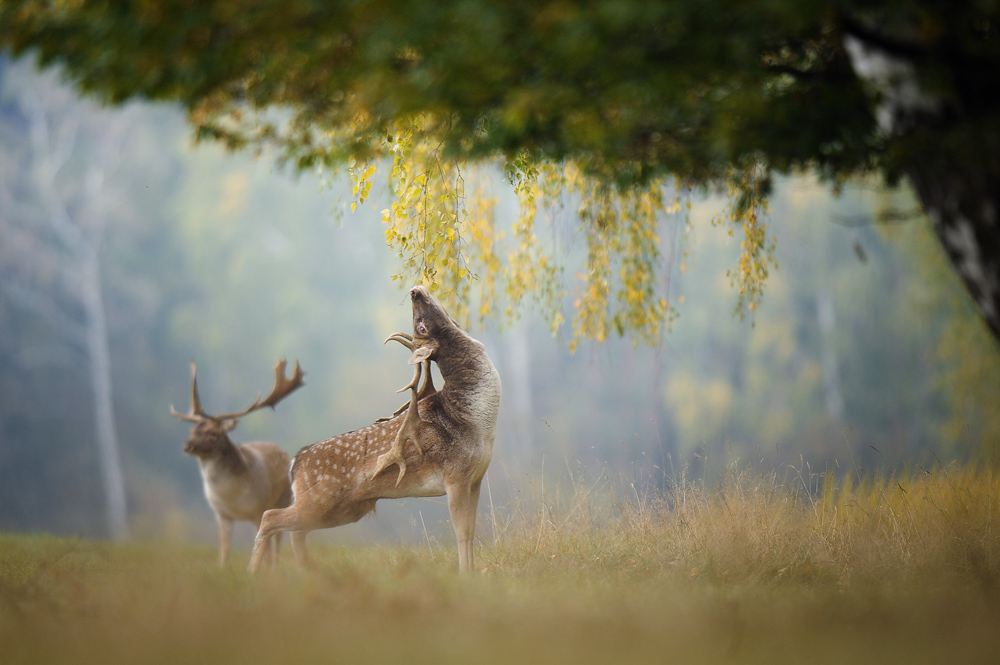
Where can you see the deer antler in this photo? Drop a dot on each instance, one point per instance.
(401, 337)
(427, 389)
(196, 414)
(407, 432)
(282, 387)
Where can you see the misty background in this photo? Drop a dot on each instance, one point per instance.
(126, 252)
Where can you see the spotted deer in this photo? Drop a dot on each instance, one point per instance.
(338, 481)
(241, 481)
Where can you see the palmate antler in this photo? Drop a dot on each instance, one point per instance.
(427, 389)
(282, 388)
(410, 428)
(332, 481)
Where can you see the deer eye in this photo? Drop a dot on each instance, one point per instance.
(421, 328)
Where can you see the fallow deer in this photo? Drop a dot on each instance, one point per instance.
(241, 481)
(339, 480)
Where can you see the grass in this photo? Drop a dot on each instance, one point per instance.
(760, 568)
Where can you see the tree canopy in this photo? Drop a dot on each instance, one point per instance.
(209, 256)
(623, 104)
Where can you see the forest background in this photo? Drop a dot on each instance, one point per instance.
(864, 353)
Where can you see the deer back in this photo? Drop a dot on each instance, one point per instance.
(241, 481)
(457, 424)
(342, 467)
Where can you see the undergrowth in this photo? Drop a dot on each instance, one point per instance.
(756, 568)
(919, 528)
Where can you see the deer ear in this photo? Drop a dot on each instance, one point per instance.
(230, 424)
(423, 352)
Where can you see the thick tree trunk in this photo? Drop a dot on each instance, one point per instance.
(963, 203)
(956, 176)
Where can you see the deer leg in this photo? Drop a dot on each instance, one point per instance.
(277, 548)
(225, 537)
(267, 549)
(463, 519)
(473, 510)
(407, 432)
(274, 521)
(271, 550)
(299, 547)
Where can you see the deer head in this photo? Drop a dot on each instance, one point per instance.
(431, 324)
(210, 433)
(339, 480)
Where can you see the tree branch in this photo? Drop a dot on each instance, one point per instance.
(873, 37)
(883, 218)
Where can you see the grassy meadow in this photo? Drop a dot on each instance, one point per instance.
(758, 568)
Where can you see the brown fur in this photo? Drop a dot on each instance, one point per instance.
(335, 482)
(241, 481)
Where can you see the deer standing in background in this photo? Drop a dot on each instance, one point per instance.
(338, 481)
(241, 481)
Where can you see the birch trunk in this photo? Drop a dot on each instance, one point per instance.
(963, 205)
(75, 213)
(99, 362)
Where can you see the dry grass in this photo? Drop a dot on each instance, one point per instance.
(757, 569)
(921, 528)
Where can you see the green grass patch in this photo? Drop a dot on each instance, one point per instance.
(757, 569)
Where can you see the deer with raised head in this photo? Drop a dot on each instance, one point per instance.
(452, 430)
(241, 481)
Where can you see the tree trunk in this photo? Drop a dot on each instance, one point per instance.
(76, 224)
(827, 320)
(99, 359)
(518, 393)
(954, 171)
(963, 203)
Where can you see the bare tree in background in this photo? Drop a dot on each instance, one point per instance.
(57, 193)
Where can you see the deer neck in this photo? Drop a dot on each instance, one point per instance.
(471, 384)
(228, 459)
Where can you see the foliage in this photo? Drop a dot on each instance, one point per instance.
(899, 569)
(624, 100)
(971, 384)
(201, 260)
(219, 261)
(842, 360)
(619, 284)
